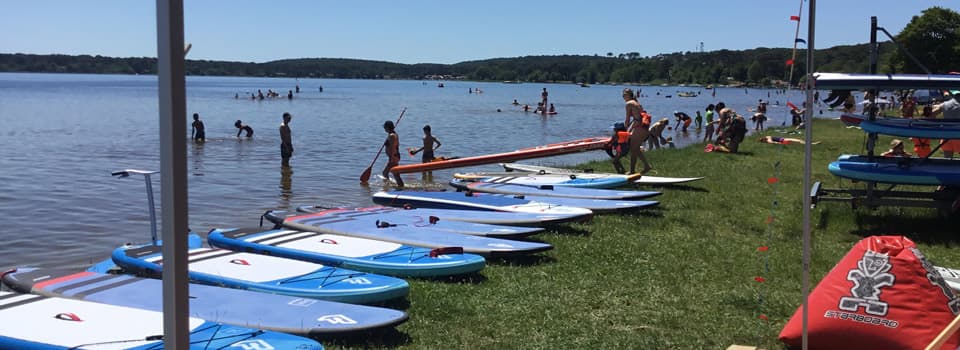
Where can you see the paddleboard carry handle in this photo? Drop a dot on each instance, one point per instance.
(384, 224)
(546, 187)
(445, 251)
(433, 220)
(68, 316)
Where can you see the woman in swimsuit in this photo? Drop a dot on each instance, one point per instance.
(638, 130)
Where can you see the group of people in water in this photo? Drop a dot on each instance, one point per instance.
(199, 135)
(392, 145)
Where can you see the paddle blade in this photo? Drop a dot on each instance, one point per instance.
(366, 175)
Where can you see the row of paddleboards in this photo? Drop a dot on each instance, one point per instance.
(900, 170)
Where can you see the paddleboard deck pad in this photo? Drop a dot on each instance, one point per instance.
(485, 217)
(341, 222)
(428, 220)
(551, 191)
(268, 274)
(643, 180)
(354, 253)
(897, 170)
(40, 322)
(505, 202)
(274, 312)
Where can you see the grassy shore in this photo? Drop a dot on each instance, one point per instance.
(681, 276)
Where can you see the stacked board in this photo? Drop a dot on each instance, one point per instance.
(550, 191)
(588, 144)
(504, 202)
(568, 180)
(909, 171)
(642, 180)
(295, 315)
(443, 221)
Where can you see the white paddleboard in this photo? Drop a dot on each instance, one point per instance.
(643, 180)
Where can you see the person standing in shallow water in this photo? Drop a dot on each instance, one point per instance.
(197, 131)
(392, 144)
(286, 143)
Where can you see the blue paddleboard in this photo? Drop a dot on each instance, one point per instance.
(551, 191)
(39, 322)
(354, 253)
(268, 274)
(906, 171)
(341, 222)
(503, 202)
(427, 221)
(568, 180)
(301, 316)
(498, 219)
(922, 128)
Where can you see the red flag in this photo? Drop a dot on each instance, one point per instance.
(795, 18)
(790, 62)
(792, 106)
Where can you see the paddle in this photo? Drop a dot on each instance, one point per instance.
(366, 173)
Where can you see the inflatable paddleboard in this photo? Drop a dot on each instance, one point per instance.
(550, 191)
(951, 276)
(857, 81)
(498, 219)
(301, 316)
(341, 222)
(588, 144)
(430, 221)
(569, 180)
(39, 322)
(643, 180)
(503, 202)
(907, 127)
(268, 274)
(906, 171)
(354, 253)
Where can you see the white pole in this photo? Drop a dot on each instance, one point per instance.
(173, 166)
(807, 151)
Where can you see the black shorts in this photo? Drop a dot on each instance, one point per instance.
(286, 151)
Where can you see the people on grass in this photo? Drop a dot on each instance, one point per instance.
(655, 140)
(950, 110)
(782, 140)
(896, 150)
(637, 123)
(618, 146)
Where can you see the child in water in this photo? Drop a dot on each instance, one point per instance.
(241, 127)
(197, 130)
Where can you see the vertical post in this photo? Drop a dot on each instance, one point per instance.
(808, 150)
(173, 183)
(151, 209)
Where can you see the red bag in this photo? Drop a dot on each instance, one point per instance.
(882, 295)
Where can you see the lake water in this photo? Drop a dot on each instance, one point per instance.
(63, 134)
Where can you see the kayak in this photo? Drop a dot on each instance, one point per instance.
(582, 145)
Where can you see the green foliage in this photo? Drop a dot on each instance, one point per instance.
(934, 39)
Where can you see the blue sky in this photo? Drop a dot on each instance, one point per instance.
(439, 31)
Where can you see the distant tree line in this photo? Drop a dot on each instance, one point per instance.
(933, 37)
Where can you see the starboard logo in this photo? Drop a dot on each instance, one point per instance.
(936, 279)
(303, 302)
(240, 262)
(868, 278)
(358, 280)
(337, 319)
(253, 345)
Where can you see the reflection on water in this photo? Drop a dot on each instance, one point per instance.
(286, 184)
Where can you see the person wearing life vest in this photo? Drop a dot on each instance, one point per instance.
(618, 146)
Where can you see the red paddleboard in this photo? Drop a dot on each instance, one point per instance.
(588, 144)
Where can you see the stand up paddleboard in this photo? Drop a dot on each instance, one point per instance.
(268, 274)
(550, 191)
(341, 222)
(39, 322)
(907, 127)
(359, 254)
(643, 180)
(427, 221)
(504, 202)
(485, 217)
(301, 316)
(897, 170)
(567, 180)
(588, 144)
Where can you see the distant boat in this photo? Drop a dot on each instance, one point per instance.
(584, 85)
(709, 86)
(511, 82)
(687, 94)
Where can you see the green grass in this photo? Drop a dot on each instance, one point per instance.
(677, 277)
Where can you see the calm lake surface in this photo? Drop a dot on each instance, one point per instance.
(63, 134)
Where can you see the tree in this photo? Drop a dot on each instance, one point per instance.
(934, 39)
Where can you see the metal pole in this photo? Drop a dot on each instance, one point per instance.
(173, 166)
(151, 208)
(807, 151)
